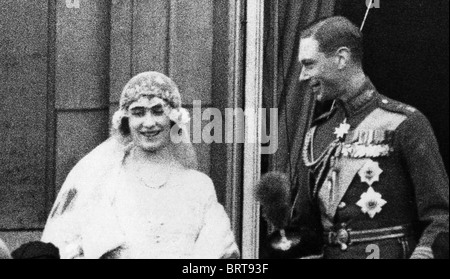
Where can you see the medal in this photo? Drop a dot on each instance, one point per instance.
(371, 202)
(342, 130)
(370, 172)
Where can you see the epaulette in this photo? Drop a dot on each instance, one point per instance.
(395, 106)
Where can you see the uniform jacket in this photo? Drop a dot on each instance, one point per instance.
(385, 172)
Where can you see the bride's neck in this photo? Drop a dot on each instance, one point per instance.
(162, 156)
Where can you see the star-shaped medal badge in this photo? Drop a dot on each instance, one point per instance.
(342, 130)
(371, 202)
(370, 172)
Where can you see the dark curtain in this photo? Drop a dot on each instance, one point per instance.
(285, 19)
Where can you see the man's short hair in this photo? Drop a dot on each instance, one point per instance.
(334, 32)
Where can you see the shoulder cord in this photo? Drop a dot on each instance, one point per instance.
(323, 162)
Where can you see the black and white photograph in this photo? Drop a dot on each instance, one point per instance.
(224, 130)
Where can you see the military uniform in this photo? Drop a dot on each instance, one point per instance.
(378, 187)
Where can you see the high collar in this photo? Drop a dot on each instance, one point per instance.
(358, 101)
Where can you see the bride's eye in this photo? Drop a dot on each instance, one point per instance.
(138, 112)
(157, 110)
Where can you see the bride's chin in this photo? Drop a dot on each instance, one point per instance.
(152, 147)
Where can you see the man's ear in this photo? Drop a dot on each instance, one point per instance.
(343, 56)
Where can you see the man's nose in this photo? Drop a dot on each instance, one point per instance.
(303, 75)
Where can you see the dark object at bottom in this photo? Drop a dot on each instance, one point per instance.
(36, 250)
(296, 244)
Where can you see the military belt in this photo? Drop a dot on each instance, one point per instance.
(344, 237)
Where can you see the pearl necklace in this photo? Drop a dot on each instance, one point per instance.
(150, 181)
(154, 185)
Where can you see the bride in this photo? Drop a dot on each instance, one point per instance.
(138, 195)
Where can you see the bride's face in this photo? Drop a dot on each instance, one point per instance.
(149, 124)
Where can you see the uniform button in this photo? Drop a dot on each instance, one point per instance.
(342, 205)
(385, 101)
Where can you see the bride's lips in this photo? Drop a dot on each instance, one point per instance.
(150, 134)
